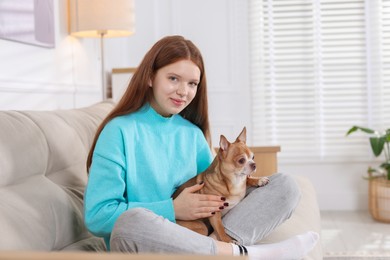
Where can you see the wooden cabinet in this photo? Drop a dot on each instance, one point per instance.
(266, 159)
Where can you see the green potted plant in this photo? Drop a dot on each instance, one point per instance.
(379, 178)
(380, 142)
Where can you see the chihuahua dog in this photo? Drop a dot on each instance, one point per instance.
(228, 176)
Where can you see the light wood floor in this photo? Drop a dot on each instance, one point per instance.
(354, 233)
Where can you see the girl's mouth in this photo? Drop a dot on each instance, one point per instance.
(177, 102)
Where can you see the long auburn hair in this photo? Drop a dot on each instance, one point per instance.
(168, 50)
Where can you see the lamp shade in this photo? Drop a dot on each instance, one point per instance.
(92, 18)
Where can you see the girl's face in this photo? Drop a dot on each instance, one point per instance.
(174, 87)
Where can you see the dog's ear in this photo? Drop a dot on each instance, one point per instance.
(242, 136)
(223, 143)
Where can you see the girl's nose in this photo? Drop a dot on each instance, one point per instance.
(182, 89)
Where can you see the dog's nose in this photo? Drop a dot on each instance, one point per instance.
(253, 166)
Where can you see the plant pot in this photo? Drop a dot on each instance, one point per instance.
(379, 199)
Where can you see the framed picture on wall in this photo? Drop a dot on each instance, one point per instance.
(120, 79)
(28, 21)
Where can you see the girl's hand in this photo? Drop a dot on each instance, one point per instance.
(190, 205)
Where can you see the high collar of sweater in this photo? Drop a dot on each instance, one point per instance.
(148, 111)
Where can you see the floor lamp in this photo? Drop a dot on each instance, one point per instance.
(101, 19)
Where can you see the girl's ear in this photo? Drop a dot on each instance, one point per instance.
(150, 83)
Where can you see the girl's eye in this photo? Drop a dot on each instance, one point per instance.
(172, 78)
(193, 84)
(241, 161)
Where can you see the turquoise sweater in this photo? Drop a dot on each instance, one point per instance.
(139, 161)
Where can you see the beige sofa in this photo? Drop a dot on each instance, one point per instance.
(42, 180)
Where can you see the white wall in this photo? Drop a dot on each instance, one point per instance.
(39, 78)
(69, 76)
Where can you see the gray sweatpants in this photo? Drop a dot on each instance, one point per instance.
(139, 230)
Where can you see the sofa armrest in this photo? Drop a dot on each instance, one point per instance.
(26, 255)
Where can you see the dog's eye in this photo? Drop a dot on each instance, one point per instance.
(241, 161)
(253, 157)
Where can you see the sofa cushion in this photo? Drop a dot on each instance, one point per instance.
(43, 175)
(306, 217)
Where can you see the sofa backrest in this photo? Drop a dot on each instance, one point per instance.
(43, 175)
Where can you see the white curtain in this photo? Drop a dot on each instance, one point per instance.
(319, 67)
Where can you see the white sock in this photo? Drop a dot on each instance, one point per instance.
(293, 248)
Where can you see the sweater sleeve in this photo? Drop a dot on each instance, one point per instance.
(105, 193)
(104, 198)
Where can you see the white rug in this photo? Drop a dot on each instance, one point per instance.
(358, 255)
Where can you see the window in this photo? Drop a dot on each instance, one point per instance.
(319, 67)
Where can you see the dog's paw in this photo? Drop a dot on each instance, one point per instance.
(263, 181)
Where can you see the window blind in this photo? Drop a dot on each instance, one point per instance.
(318, 67)
(385, 64)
